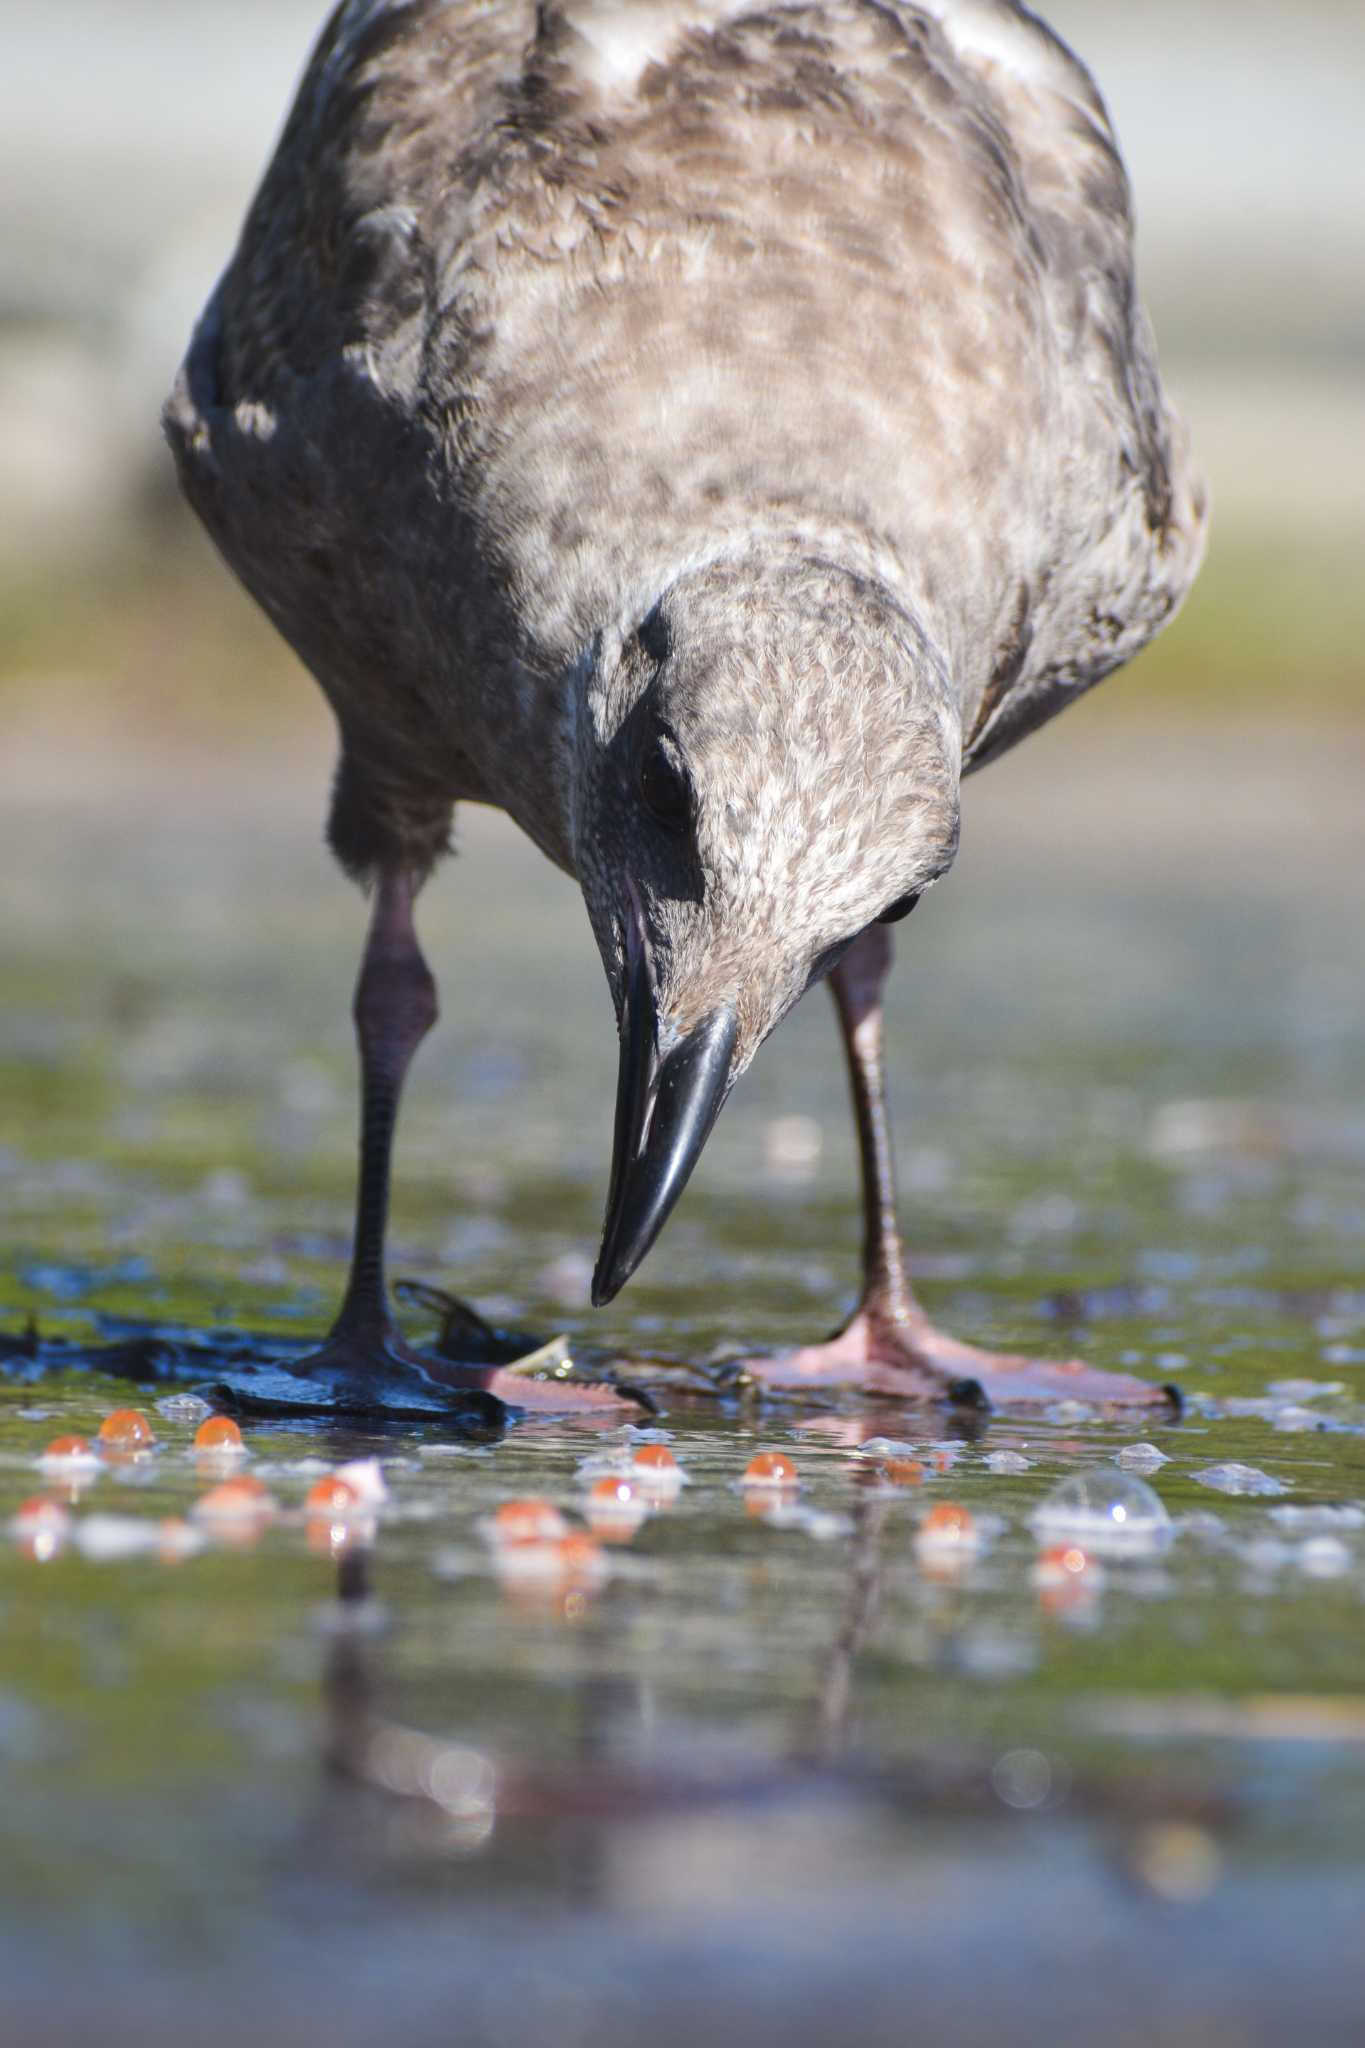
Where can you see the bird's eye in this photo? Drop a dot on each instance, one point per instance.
(902, 907)
(664, 790)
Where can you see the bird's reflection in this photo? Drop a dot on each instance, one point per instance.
(408, 1791)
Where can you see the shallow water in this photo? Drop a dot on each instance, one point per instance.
(787, 1776)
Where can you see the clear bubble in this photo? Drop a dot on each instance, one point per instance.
(1112, 1512)
(1324, 1557)
(184, 1408)
(1238, 1479)
(1141, 1458)
(1007, 1461)
(1022, 1778)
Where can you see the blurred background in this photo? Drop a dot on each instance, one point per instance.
(132, 133)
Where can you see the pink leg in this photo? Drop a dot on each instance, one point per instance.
(889, 1345)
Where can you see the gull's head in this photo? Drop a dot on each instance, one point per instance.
(767, 763)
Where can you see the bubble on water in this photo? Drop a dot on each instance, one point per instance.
(950, 1539)
(183, 1408)
(1065, 1413)
(1239, 1479)
(1022, 1778)
(616, 1507)
(528, 1519)
(108, 1539)
(367, 1479)
(236, 1507)
(1177, 1860)
(41, 1526)
(1112, 1513)
(1324, 1557)
(69, 1456)
(1008, 1461)
(892, 1473)
(1305, 1390)
(1208, 1529)
(657, 1472)
(1141, 1458)
(822, 1525)
(1265, 1555)
(771, 1468)
(332, 1496)
(996, 1654)
(1319, 1520)
(1294, 1417)
(887, 1447)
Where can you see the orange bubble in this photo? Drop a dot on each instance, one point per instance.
(67, 1447)
(332, 1496)
(763, 1501)
(528, 1521)
(948, 1523)
(40, 1511)
(1068, 1580)
(613, 1490)
(946, 1541)
(616, 1507)
(900, 1471)
(236, 1511)
(770, 1468)
(1062, 1560)
(219, 1433)
(126, 1429)
(578, 1552)
(41, 1526)
(233, 1499)
(655, 1458)
(556, 1577)
(177, 1539)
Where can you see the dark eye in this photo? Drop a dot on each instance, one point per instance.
(663, 789)
(902, 907)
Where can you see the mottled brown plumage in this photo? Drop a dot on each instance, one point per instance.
(759, 393)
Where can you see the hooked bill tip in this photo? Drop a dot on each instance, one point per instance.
(665, 1113)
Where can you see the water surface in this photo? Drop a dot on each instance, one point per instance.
(786, 1778)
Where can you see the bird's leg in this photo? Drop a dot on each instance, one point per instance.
(889, 1345)
(394, 1008)
(365, 1364)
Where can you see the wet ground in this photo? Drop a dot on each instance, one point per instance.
(775, 1765)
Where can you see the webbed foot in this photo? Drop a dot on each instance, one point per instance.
(909, 1360)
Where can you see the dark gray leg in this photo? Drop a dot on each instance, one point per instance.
(365, 1361)
(395, 1007)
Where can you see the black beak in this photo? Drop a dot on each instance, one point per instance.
(664, 1113)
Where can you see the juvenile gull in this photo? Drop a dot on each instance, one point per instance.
(706, 432)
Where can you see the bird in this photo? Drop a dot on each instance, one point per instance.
(707, 431)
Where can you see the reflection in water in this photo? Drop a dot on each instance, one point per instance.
(835, 1692)
(414, 1793)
